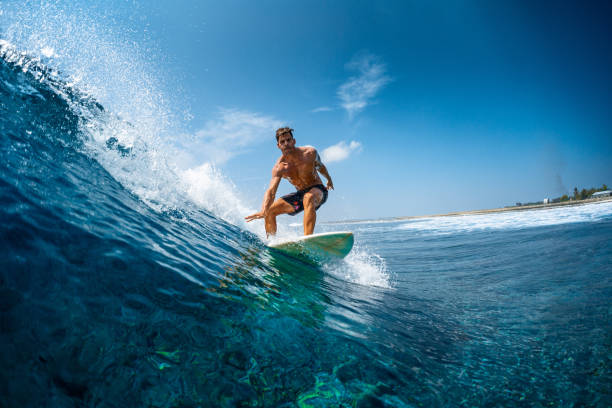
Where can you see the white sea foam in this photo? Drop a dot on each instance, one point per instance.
(511, 219)
(363, 267)
(207, 187)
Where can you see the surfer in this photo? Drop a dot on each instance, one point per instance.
(301, 166)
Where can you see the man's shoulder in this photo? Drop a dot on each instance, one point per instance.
(308, 149)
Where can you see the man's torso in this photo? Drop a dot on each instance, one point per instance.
(301, 171)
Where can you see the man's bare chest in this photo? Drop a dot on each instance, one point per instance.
(299, 169)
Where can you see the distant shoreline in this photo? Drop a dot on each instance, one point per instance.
(475, 212)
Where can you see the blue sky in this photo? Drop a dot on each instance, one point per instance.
(418, 107)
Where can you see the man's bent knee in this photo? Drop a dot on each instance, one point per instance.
(310, 200)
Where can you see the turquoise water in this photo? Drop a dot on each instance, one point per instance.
(121, 284)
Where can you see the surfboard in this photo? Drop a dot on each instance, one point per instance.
(317, 248)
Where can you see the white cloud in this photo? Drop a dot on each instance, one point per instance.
(340, 151)
(357, 92)
(231, 134)
(322, 109)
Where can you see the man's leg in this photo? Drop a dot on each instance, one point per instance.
(311, 200)
(279, 206)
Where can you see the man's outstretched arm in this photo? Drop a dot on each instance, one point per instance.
(268, 199)
(323, 170)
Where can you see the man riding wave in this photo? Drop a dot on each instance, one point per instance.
(301, 167)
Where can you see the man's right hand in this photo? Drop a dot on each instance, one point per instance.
(255, 216)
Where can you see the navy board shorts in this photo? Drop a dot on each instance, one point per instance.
(297, 199)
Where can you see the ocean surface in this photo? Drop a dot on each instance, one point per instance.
(127, 282)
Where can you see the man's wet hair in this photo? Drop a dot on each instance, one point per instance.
(282, 131)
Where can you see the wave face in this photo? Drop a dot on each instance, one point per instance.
(125, 281)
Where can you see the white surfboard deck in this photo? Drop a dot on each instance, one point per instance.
(317, 248)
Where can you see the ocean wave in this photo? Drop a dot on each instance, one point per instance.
(510, 219)
(86, 85)
(132, 141)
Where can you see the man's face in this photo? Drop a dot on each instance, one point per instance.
(286, 142)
